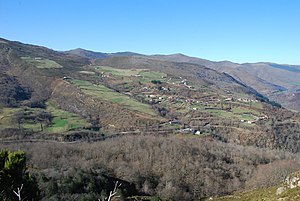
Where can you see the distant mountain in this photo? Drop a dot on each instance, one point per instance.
(279, 82)
(196, 73)
(98, 55)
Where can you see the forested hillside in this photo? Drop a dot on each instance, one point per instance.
(162, 128)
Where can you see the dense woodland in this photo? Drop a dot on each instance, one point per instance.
(169, 168)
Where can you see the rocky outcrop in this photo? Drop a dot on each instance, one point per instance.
(292, 181)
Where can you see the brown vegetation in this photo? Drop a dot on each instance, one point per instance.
(173, 168)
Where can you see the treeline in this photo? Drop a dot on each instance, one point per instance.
(171, 168)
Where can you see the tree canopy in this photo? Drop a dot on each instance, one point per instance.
(14, 176)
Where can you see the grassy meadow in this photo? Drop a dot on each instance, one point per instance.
(41, 63)
(104, 93)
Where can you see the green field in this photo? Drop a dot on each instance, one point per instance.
(62, 120)
(41, 63)
(87, 72)
(242, 110)
(6, 115)
(119, 72)
(153, 75)
(236, 113)
(148, 76)
(221, 113)
(143, 75)
(104, 93)
(7, 119)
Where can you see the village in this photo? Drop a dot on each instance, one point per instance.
(180, 96)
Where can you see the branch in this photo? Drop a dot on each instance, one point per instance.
(19, 192)
(112, 193)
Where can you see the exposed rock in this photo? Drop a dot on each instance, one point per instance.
(280, 190)
(292, 181)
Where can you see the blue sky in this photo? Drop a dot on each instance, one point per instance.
(236, 30)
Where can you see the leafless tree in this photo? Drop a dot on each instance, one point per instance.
(112, 193)
(18, 193)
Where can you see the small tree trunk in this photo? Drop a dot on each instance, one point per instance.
(18, 194)
(42, 128)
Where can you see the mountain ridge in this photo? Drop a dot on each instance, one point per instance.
(98, 55)
(275, 81)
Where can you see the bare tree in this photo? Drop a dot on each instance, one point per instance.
(18, 194)
(112, 193)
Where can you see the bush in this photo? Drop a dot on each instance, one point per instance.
(14, 175)
(156, 81)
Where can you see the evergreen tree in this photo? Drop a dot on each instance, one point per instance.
(14, 178)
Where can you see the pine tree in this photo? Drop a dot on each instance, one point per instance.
(15, 181)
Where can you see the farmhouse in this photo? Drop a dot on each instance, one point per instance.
(186, 130)
(66, 78)
(197, 133)
(174, 122)
(152, 96)
(229, 99)
(250, 122)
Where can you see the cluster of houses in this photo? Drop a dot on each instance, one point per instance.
(66, 78)
(154, 99)
(206, 101)
(184, 82)
(248, 121)
(190, 131)
(104, 75)
(185, 130)
(246, 100)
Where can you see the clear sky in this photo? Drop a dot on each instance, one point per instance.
(236, 30)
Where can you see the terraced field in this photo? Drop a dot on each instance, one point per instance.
(144, 75)
(6, 116)
(147, 76)
(104, 93)
(242, 111)
(119, 72)
(41, 63)
(62, 120)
